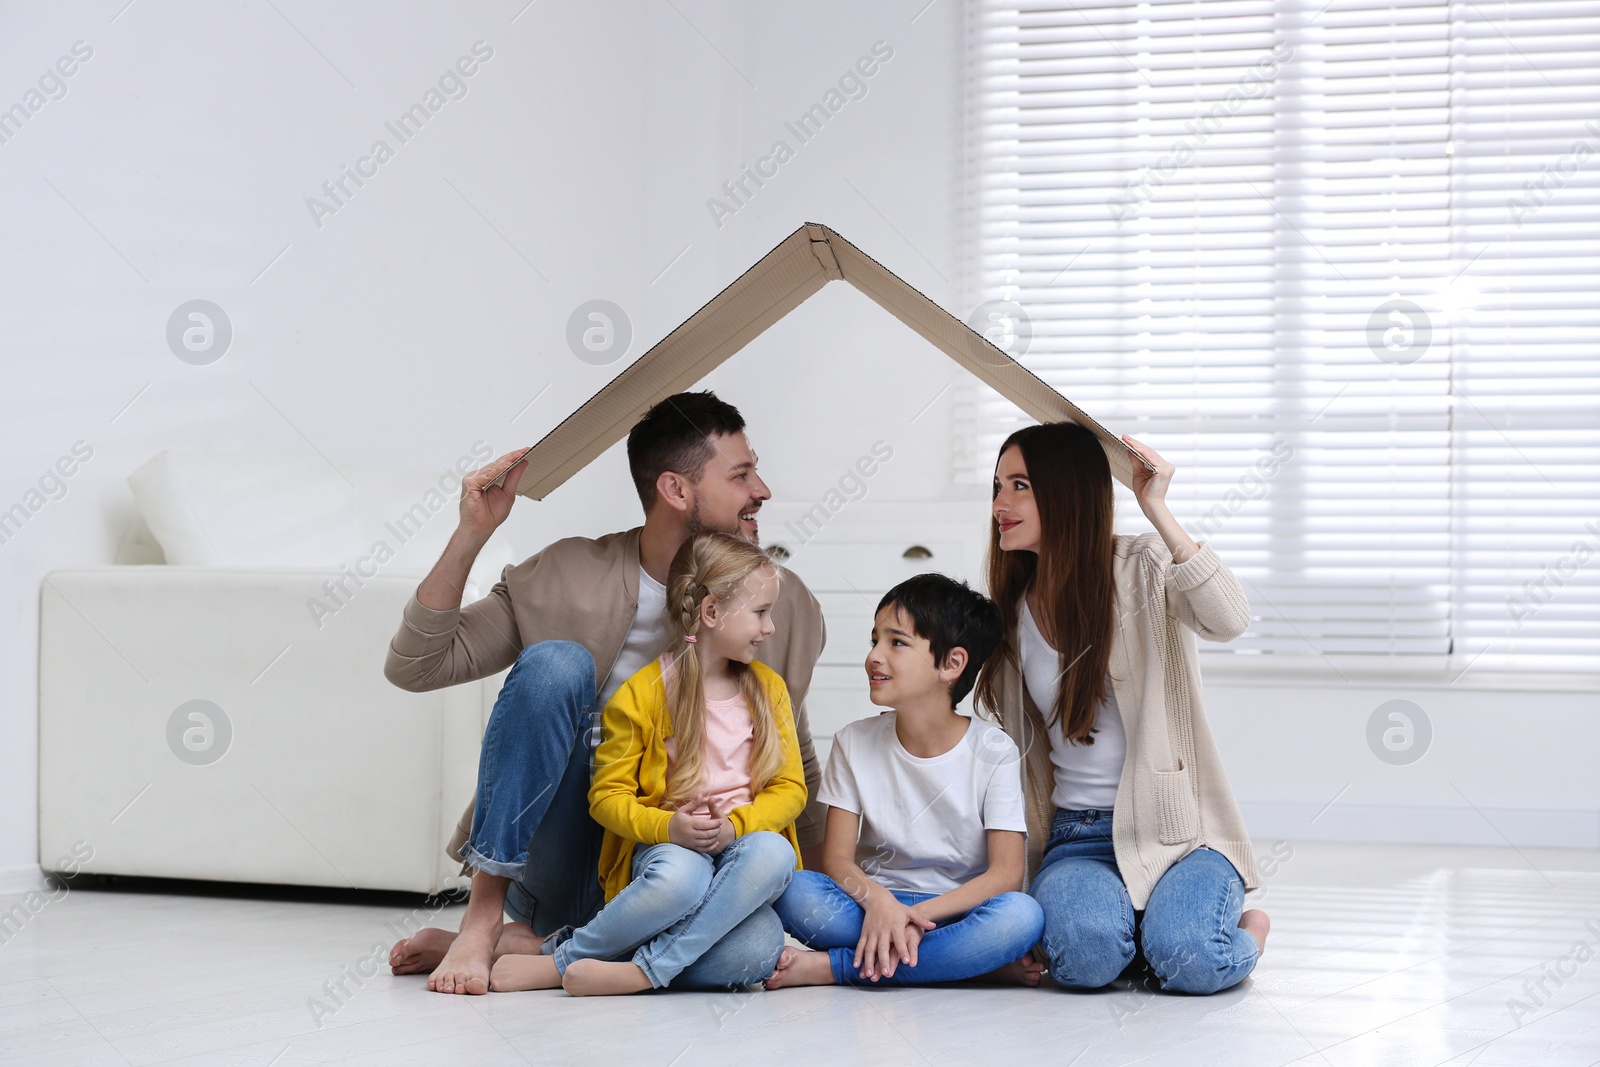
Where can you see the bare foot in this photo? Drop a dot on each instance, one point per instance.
(518, 939)
(420, 952)
(800, 968)
(1026, 971)
(1255, 923)
(513, 972)
(465, 967)
(600, 978)
(425, 949)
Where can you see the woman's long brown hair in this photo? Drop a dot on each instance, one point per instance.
(1077, 596)
(715, 565)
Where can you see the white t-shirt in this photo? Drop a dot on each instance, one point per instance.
(924, 822)
(647, 639)
(1086, 776)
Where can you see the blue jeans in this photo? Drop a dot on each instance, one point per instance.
(1188, 934)
(533, 789)
(1001, 929)
(681, 905)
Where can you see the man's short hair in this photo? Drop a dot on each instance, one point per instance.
(949, 614)
(675, 436)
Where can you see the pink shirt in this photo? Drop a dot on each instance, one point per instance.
(730, 740)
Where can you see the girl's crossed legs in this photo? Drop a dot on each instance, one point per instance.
(701, 920)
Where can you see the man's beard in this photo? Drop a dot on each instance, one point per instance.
(697, 524)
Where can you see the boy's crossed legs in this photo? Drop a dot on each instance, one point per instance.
(991, 940)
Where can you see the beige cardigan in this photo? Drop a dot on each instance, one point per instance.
(587, 591)
(1173, 796)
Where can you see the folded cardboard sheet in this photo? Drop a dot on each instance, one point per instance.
(781, 281)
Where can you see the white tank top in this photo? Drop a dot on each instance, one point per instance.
(1086, 776)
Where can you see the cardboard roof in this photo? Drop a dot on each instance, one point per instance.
(781, 281)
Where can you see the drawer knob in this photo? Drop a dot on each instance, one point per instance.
(916, 552)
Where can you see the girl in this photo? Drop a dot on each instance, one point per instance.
(697, 784)
(1136, 846)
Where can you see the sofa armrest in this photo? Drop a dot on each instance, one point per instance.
(312, 770)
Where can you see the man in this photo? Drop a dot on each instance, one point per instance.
(574, 622)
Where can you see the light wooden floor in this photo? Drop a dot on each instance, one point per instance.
(1379, 955)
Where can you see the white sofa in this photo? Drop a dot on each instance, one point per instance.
(331, 776)
(316, 771)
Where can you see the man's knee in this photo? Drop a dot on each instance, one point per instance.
(558, 662)
(552, 672)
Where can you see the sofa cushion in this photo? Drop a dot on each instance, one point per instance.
(222, 509)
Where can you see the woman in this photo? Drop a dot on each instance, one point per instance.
(1135, 844)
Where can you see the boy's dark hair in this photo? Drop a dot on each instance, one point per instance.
(674, 435)
(949, 614)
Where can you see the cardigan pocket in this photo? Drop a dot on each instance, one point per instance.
(1176, 815)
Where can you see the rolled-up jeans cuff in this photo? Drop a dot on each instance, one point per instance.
(641, 961)
(478, 861)
(563, 959)
(554, 940)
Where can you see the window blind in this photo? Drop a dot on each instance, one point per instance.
(1339, 263)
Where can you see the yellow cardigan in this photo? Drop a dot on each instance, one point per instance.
(630, 774)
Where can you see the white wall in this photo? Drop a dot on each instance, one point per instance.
(407, 326)
(838, 374)
(178, 164)
(1509, 760)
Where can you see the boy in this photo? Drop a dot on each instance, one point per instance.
(923, 855)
